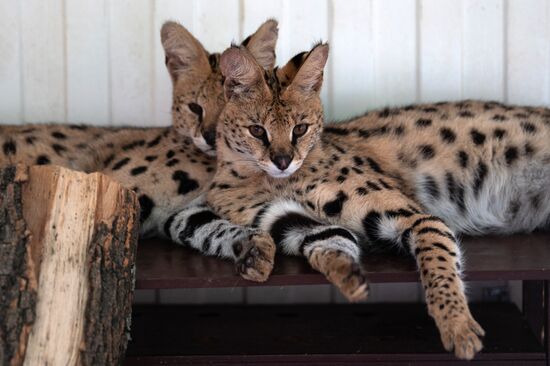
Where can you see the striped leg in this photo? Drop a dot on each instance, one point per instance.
(439, 259)
(330, 249)
(393, 219)
(198, 227)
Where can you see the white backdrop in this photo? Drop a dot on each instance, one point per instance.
(100, 62)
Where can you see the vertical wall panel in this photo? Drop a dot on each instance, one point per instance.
(308, 23)
(43, 60)
(395, 52)
(440, 49)
(10, 72)
(217, 23)
(182, 12)
(255, 12)
(284, 51)
(87, 30)
(131, 58)
(483, 50)
(528, 52)
(352, 55)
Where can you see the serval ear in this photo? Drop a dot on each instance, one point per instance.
(262, 44)
(244, 78)
(286, 74)
(309, 77)
(185, 55)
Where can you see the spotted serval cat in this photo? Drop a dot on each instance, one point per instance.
(162, 165)
(408, 178)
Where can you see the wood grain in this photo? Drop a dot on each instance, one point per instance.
(68, 252)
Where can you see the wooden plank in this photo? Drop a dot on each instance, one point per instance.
(10, 73)
(528, 52)
(87, 27)
(182, 12)
(313, 294)
(131, 62)
(483, 50)
(488, 258)
(144, 297)
(43, 56)
(352, 54)
(388, 292)
(395, 77)
(440, 50)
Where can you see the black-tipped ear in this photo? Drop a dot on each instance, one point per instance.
(262, 44)
(309, 77)
(288, 72)
(185, 56)
(243, 76)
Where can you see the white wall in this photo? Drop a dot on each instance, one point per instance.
(100, 61)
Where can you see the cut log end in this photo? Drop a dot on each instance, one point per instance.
(67, 255)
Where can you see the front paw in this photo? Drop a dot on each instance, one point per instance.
(255, 256)
(352, 282)
(343, 271)
(463, 334)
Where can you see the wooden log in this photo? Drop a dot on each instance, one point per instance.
(67, 255)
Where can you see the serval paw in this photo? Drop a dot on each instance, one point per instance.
(463, 334)
(255, 256)
(343, 271)
(353, 283)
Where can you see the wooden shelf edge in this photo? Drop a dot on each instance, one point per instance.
(163, 265)
(319, 279)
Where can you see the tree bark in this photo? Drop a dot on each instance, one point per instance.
(67, 256)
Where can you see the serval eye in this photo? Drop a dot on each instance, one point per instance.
(257, 131)
(300, 130)
(195, 108)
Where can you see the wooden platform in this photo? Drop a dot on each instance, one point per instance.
(380, 334)
(520, 257)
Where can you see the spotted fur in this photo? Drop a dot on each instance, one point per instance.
(410, 178)
(168, 168)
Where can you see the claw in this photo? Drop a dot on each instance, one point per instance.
(462, 334)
